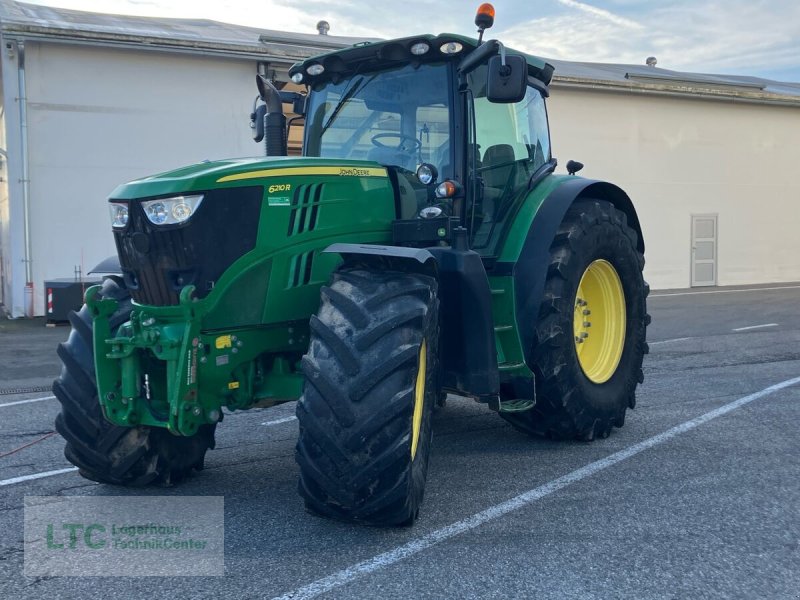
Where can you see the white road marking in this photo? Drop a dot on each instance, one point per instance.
(279, 421)
(755, 327)
(669, 341)
(27, 401)
(14, 480)
(345, 576)
(788, 287)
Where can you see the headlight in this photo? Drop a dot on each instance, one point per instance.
(119, 214)
(427, 173)
(171, 211)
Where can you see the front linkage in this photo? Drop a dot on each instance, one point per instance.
(151, 371)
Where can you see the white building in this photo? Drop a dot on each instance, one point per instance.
(90, 101)
(106, 99)
(708, 161)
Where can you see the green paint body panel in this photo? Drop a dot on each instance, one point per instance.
(240, 345)
(510, 360)
(510, 357)
(511, 246)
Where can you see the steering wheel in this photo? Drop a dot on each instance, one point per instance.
(401, 139)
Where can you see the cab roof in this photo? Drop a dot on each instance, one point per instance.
(374, 56)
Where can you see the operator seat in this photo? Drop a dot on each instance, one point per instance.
(498, 162)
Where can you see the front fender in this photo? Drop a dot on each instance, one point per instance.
(467, 351)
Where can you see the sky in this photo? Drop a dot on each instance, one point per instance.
(743, 37)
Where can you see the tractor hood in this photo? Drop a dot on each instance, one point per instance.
(279, 213)
(246, 171)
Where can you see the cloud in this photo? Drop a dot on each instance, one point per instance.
(736, 36)
(601, 13)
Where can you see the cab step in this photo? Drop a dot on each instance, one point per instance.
(513, 406)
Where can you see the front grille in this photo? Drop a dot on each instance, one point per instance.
(157, 262)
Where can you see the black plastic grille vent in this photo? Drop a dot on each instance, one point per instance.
(305, 208)
(300, 269)
(158, 261)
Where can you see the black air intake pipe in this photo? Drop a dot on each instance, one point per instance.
(275, 127)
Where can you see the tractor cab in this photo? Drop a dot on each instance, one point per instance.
(460, 125)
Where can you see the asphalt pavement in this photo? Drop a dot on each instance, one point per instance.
(697, 496)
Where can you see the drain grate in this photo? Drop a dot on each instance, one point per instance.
(26, 390)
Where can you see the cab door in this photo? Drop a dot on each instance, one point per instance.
(511, 142)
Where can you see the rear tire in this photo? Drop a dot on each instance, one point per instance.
(371, 386)
(580, 397)
(107, 453)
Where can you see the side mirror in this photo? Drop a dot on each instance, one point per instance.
(299, 105)
(296, 99)
(573, 166)
(507, 83)
(257, 122)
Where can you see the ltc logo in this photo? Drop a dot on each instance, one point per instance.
(280, 187)
(76, 532)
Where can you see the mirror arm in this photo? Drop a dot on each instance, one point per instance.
(480, 54)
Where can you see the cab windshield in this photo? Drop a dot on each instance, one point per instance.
(398, 117)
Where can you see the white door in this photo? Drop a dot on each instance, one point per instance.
(704, 250)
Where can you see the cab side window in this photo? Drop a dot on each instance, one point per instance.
(511, 141)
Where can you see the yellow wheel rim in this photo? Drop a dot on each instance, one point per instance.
(599, 321)
(419, 401)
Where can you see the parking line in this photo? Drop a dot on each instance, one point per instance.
(386, 559)
(279, 421)
(763, 289)
(27, 401)
(23, 478)
(669, 341)
(33, 476)
(755, 327)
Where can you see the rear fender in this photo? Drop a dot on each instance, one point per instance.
(530, 270)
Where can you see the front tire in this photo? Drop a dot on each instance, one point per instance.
(107, 453)
(371, 385)
(590, 331)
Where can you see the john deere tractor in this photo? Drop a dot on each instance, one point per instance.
(422, 245)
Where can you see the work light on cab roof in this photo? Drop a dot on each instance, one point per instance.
(419, 48)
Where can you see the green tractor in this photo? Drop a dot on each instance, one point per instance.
(422, 245)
